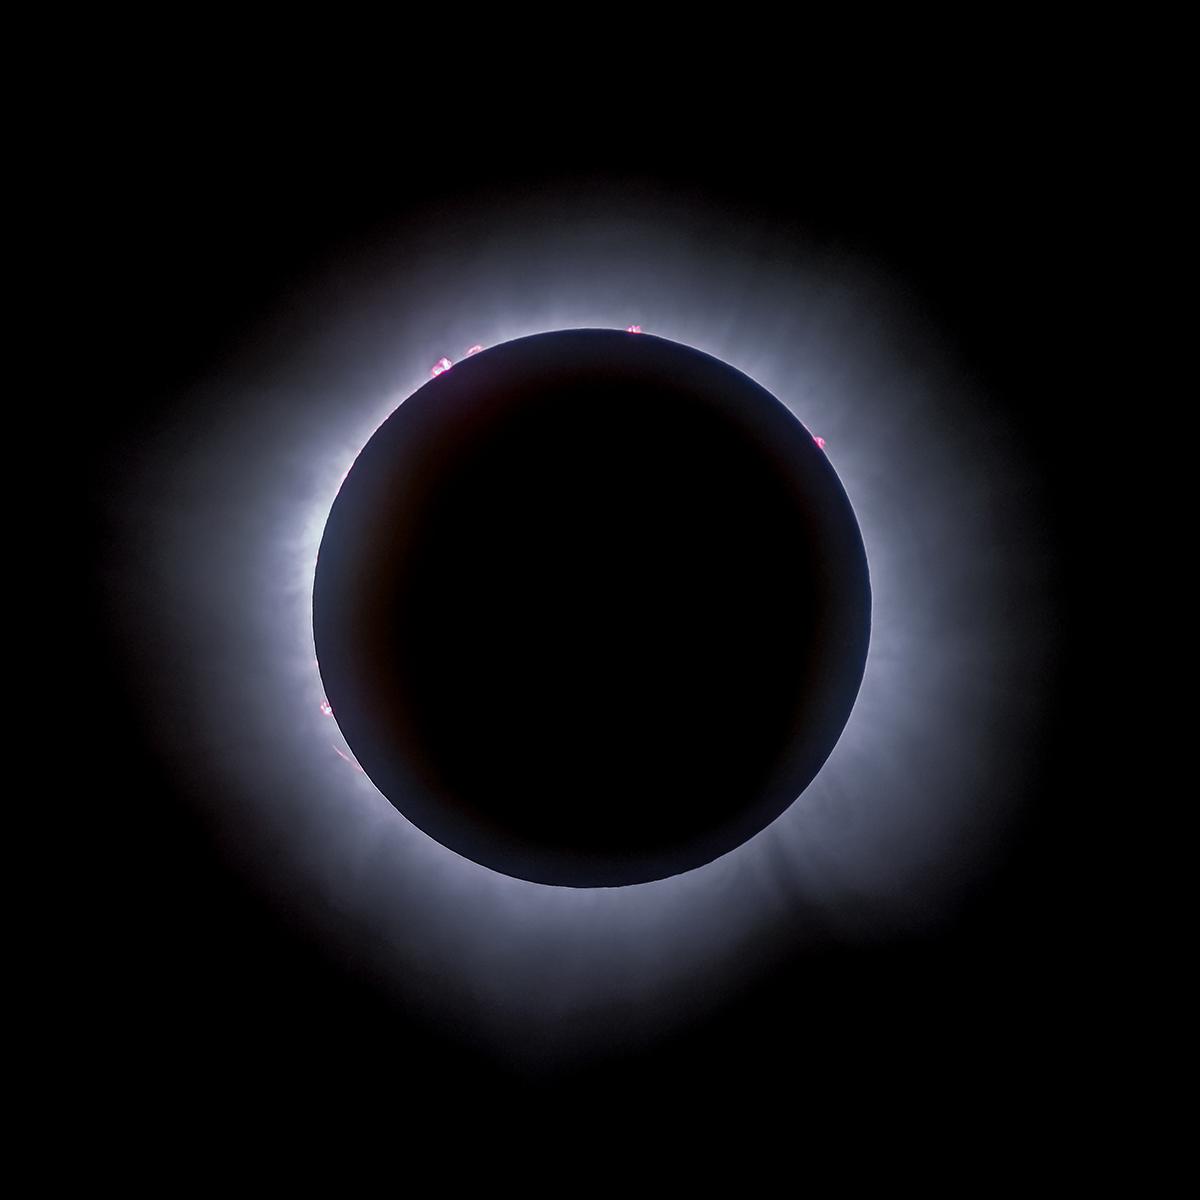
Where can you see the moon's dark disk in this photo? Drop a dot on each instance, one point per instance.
(591, 608)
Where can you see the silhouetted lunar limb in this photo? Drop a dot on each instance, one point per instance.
(591, 608)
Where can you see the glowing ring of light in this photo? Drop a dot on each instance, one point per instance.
(908, 809)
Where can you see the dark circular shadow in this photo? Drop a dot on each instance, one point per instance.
(591, 608)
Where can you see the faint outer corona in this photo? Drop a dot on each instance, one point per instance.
(591, 609)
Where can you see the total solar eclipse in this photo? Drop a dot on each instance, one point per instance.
(564, 698)
(591, 608)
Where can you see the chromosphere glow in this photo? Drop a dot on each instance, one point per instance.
(912, 805)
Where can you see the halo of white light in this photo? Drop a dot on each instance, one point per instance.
(914, 799)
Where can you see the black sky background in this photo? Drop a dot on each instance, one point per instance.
(200, 993)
